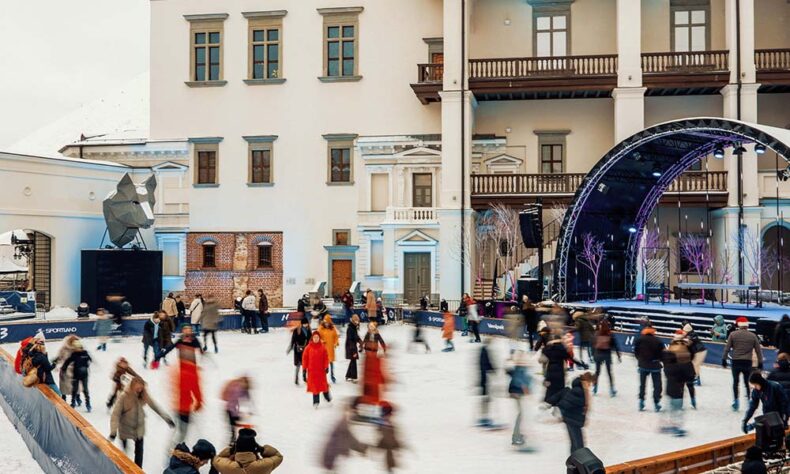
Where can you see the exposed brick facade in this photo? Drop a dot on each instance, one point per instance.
(225, 282)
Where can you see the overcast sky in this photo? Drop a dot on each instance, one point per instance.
(56, 55)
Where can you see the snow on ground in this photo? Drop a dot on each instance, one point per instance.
(15, 456)
(436, 408)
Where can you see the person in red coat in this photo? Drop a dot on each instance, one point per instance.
(373, 375)
(188, 397)
(315, 361)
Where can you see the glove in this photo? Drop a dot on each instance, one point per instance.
(112, 437)
(745, 427)
(724, 363)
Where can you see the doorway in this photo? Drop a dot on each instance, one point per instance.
(341, 277)
(416, 276)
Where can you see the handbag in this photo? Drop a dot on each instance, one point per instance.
(31, 378)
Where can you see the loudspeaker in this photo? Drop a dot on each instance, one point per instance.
(583, 461)
(769, 432)
(530, 287)
(765, 330)
(531, 225)
(134, 274)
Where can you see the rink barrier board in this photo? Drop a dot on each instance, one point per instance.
(59, 439)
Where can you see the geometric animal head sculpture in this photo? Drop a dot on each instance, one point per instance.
(129, 208)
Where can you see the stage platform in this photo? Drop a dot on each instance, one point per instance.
(770, 311)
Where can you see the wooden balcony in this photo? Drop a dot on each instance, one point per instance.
(692, 188)
(773, 69)
(674, 73)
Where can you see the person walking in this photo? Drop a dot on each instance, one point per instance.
(530, 320)
(329, 337)
(181, 312)
(299, 338)
(188, 395)
(152, 337)
(448, 328)
(234, 394)
(182, 461)
(744, 346)
(370, 305)
(263, 310)
(649, 352)
(348, 304)
(128, 417)
(169, 306)
(555, 357)
(210, 319)
(373, 372)
(316, 362)
(81, 361)
(782, 335)
(586, 332)
(768, 394)
(247, 456)
(605, 343)
(418, 338)
(698, 353)
(352, 346)
(249, 308)
(66, 374)
(519, 386)
(574, 403)
(122, 369)
(474, 317)
(485, 367)
(196, 312)
(678, 370)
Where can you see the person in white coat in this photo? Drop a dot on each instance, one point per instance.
(196, 312)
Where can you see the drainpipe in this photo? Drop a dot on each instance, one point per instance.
(739, 154)
(463, 146)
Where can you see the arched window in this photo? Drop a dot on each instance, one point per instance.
(209, 254)
(265, 255)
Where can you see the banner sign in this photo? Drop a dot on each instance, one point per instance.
(22, 301)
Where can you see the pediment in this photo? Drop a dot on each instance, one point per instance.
(169, 166)
(419, 152)
(417, 237)
(503, 160)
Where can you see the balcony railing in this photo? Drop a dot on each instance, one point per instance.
(684, 62)
(558, 66)
(767, 60)
(411, 215)
(430, 73)
(699, 182)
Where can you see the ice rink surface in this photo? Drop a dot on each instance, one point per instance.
(436, 408)
(14, 455)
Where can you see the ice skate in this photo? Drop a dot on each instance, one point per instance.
(518, 440)
(641, 405)
(735, 405)
(657, 407)
(694, 403)
(612, 392)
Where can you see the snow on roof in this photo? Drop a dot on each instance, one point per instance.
(123, 114)
(56, 157)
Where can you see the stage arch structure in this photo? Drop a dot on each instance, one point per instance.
(622, 190)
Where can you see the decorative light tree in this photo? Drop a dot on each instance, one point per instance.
(506, 232)
(695, 249)
(591, 256)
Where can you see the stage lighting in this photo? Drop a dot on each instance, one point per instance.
(759, 149)
(718, 153)
(583, 461)
(656, 174)
(739, 149)
(632, 230)
(603, 188)
(783, 175)
(769, 432)
(636, 156)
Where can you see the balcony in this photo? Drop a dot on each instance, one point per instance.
(692, 187)
(773, 69)
(594, 76)
(410, 216)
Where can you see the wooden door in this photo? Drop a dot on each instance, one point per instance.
(416, 276)
(437, 58)
(341, 277)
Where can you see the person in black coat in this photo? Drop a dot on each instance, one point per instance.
(353, 342)
(572, 403)
(444, 306)
(781, 373)
(649, 352)
(182, 461)
(530, 320)
(604, 344)
(181, 312)
(782, 335)
(152, 336)
(40, 361)
(485, 367)
(770, 395)
(753, 462)
(82, 361)
(299, 338)
(556, 356)
(679, 371)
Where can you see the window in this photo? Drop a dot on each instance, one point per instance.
(207, 167)
(379, 191)
(435, 57)
(264, 255)
(265, 46)
(340, 159)
(260, 169)
(376, 257)
(551, 35)
(341, 43)
(690, 24)
(341, 237)
(206, 32)
(209, 255)
(422, 190)
(551, 150)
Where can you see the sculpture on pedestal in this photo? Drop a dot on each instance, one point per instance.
(128, 209)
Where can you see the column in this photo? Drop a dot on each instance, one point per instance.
(629, 104)
(390, 288)
(748, 74)
(456, 151)
(749, 177)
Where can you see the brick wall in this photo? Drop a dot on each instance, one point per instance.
(226, 281)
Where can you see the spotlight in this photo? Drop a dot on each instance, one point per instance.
(784, 174)
(656, 174)
(759, 149)
(718, 153)
(636, 156)
(739, 149)
(632, 230)
(603, 188)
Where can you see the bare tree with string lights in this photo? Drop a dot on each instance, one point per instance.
(695, 249)
(591, 256)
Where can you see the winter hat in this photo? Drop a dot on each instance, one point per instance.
(687, 328)
(203, 450)
(719, 319)
(742, 322)
(757, 378)
(679, 335)
(246, 443)
(754, 453)
(327, 319)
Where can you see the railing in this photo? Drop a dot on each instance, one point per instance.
(699, 181)
(555, 66)
(563, 183)
(684, 63)
(772, 59)
(411, 214)
(430, 72)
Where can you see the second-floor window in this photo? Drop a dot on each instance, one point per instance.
(422, 190)
(551, 35)
(551, 158)
(261, 166)
(340, 50)
(340, 165)
(265, 53)
(206, 167)
(206, 44)
(690, 29)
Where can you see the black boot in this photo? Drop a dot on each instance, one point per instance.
(296, 376)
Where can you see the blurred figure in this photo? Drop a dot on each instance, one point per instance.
(605, 343)
(520, 384)
(39, 364)
(181, 312)
(263, 310)
(781, 372)
(586, 332)
(649, 352)
(485, 366)
(782, 334)
(417, 338)
(753, 462)
(744, 345)
(299, 337)
(352, 346)
(128, 417)
(329, 337)
(348, 304)
(102, 326)
(555, 356)
(66, 374)
(530, 320)
(698, 351)
(210, 319)
(195, 313)
(678, 370)
(389, 440)
(448, 328)
(247, 456)
(81, 361)
(186, 384)
(341, 441)
(574, 402)
(463, 313)
(474, 317)
(235, 393)
(514, 326)
(444, 306)
(373, 377)
(424, 303)
(152, 337)
(316, 361)
(543, 335)
(167, 327)
(122, 368)
(370, 305)
(381, 311)
(182, 461)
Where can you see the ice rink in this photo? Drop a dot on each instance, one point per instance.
(436, 409)
(15, 456)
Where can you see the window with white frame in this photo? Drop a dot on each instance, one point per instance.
(551, 34)
(376, 257)
(690, 25)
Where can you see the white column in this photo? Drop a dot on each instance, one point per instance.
(629, 111)
(629, 43)
(750, 177)
(748, 74)
(390, 278)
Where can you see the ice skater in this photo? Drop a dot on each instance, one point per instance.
(768, 394)
(605, 343)
(744, 345)
(574, 403)
(679, 371)
(649, 352)
(249, 308)
(152, 337)
(448, 328)
(530, 320)
(389, 441)
(418, 338)
(81, 361)
(485, 367)
(520, 385)
(698, 352)
(373, 375)
(122, 369)
(299, 337)
(316, 361)
(235, 394)
(352, 346)
(341, 440)
(186, 380)
(329, 337)
(210, 319)
(196, 312)
(103, 327)
(556, 357)
(586, 332)
(66, 374)
(474, 317)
